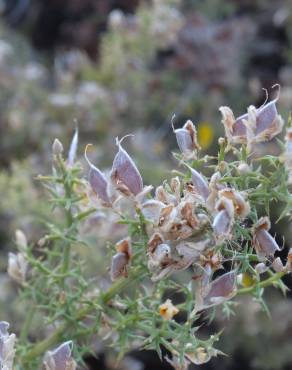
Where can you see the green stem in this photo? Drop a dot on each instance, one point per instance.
(263, 284)
(57, 335)
(26, 326)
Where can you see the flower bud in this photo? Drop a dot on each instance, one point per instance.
(7, 351)
(125, 174)
(119, 266)
(278, 265)
(243, 168)
(60, 358)
(223, 221)
(57, 147)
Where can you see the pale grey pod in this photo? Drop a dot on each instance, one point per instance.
(278, 265)
(264, 243)
(221, 289)
(119, 265)
(200, 183)
(73, 149)
(98, 184)
(125, 175)
(184, 140)
(60, 358)
(222, 223)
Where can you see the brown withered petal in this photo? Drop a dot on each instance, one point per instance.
(124, 246)
(164, 196)
(154, 241)
(188, 214)
(60, 358)
(235, 128)
(124, 174)
(241, 206)
(288, 265)
(119, 266)
(200, 184)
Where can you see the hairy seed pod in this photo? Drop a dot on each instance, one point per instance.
(263, 242)
(119, 266)
(17, 267)
(186, 138)
(124, 174)
(97, 181)
(199, 183)
(60, 358)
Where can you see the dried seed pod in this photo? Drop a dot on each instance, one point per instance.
(119, 266)
(188, 213)
(151, 210)
(164, 196)
(124, 174)
(186, 138)
(264, 244)
(268, 122)
(17, 267)
(97, 181)
(73, 149)
(277, 265)
(288, 154)
(167, 310)
(199, 183)
(223, 221)
(218, 291)
(7, 343)
(261, 268)
(60, 358)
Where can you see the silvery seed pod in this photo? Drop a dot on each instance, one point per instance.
(186, 138)
(97, 181)
(73, 149)
(220, 290)
(124, 174)
(200, 184)
(7, 343)
(224, 219)
(268, 122)
(119, 266)
(17, 267)
(264, 244)
(278, 265)
(261, 268)
(57, 147)
(60, 358)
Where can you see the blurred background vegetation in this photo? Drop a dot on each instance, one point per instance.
(115, 67)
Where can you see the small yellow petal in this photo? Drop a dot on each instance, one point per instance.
(205, 135)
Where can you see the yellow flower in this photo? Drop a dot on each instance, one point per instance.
(205, 135)
(167, 310)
